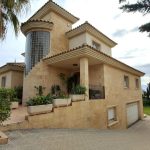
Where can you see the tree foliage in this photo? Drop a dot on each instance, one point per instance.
(9, 11)
(146, 94)
(148, 91)
(4, 105)
(142, 6)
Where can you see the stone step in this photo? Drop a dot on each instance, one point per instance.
(3, 138)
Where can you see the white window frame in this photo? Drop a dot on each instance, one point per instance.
(96, 45)
(112, 115)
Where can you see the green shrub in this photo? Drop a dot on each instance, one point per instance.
(8, 93)
(15, 100)
(3, 93)
(78, 90)
(40, 100)
(4, 105)
(61, 95)
(4, 109)
(12, 95)
(146, 102)
(19, 91)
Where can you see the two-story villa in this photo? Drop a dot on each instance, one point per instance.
(53, 47)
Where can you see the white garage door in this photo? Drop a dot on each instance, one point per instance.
(132, 113)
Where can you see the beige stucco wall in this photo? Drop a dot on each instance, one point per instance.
(82, 114)
(45, 75)
(8, 76)
(13, 78)
(86, 38)
(17, 78)
(96, 75)
(77, 41)
(58, 40)
(104, 48)
(117, 95)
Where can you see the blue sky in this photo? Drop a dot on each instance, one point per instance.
(133, 47)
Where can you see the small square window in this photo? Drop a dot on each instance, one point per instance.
(3, 82)
(112, 116)
(137, 83)
(96, 45)
(126, 81)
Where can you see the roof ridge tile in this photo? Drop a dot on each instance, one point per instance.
(55, 4)
(86, 24)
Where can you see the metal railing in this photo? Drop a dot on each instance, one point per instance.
(96, 92)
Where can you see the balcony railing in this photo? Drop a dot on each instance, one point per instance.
(96, 92)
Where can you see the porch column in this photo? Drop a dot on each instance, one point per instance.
(84, 75)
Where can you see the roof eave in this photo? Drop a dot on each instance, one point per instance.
(97, 55)
(86, 27)
(36, 24)
(50, 5)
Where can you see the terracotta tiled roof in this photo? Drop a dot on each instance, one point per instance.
(87, 24)
(18, 66)
(55, 4)
(36, 20)
(38, 10)
(92, 48)
(63, 52)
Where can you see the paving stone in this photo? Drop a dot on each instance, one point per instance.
(135, 138)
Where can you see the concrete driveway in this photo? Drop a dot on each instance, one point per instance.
(136, 137)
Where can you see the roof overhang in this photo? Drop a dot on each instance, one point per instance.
(52, 6)
(11, 67)
(36, 25)
(86, 27)
(68, 58)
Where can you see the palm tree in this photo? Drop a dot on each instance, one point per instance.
(9, 11)
(142, 6)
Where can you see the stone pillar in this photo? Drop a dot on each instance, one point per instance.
(84, 75)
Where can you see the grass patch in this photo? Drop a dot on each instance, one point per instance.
(147, 110)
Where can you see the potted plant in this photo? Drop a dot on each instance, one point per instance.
(78, 93)
(13, 98)
(39, 104)
(61, 100)
(14, 103)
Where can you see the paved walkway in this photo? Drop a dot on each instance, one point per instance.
(17, 115)
(135, 138)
